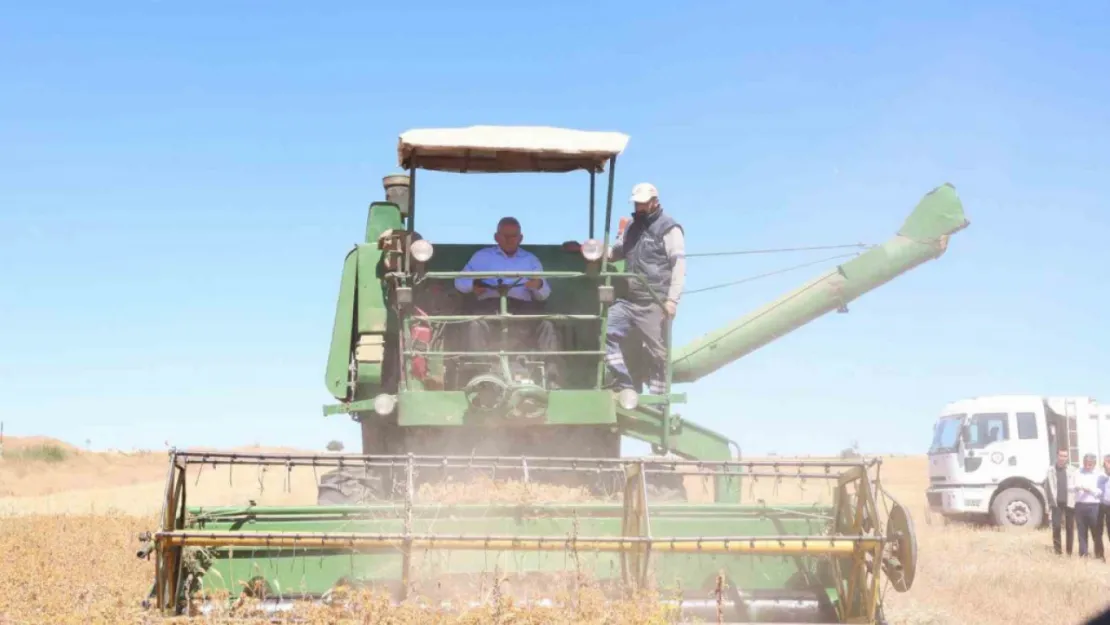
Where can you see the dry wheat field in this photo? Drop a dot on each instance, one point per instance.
(69, 522)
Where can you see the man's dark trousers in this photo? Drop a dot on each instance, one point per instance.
(646, 321)
(1102, 529)
(1102, 525)
(1067, 515)
(1086, 520)
(479, 337)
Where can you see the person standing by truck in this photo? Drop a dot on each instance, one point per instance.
(1103, 523)
(1087, 499)
(1059, 488)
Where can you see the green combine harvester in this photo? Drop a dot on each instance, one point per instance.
(434, 414)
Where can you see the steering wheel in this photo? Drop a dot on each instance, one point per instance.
(482, 281)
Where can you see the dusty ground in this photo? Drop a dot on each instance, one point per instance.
(69, 521)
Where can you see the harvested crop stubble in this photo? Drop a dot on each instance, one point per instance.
(71, 569)
(83, 569)
(368, 607)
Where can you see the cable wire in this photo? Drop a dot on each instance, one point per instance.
(768, 274)
(782, 249)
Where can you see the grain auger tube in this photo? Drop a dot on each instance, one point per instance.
(822, 544)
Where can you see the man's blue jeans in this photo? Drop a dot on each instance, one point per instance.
(643, 322)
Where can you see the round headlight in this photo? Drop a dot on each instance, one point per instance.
(591, 249)
(628, 399)
(421, 250)
(384, 403)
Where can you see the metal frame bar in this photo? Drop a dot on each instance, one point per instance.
(366, 541)
(216, 458)
(593, 187)
(168, 558)
(856, 512)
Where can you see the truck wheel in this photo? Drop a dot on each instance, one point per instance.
(1017, 507)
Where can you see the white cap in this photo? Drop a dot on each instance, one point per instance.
(643, 192)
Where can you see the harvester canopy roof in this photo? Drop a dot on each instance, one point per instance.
(504, 149)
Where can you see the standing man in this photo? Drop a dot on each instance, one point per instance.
(527, 297)
(1087, 499)
(654, 247)
(1059, 486)
(1103, 509)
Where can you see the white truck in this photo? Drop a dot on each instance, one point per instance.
(989, 455)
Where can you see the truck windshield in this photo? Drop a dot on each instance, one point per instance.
(946, 434)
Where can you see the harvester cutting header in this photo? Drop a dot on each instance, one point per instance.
(455, 372)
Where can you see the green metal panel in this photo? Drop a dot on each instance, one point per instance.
(382, 216)
(369, 376)
(372, 311)
(449, 408)
(688, 439)
(572, 407)
(446, 408)
(923, 237)
(305, 570)
(342, 336)
(360, 298)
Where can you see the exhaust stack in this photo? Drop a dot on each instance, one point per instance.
(398, 190)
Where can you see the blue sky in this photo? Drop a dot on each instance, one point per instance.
(179, 184)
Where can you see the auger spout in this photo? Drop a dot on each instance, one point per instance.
(923, 237)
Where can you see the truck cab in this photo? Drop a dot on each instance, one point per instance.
(989, 455)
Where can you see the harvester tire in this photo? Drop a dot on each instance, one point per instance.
(1017, 507)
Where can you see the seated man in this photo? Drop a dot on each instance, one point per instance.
(526, 297)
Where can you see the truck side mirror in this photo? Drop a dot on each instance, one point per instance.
(965, 432)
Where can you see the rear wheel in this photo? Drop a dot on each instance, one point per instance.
(1017, 507)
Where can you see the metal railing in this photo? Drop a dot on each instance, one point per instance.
(503, 314)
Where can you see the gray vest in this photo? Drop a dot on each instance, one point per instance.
(646, 254)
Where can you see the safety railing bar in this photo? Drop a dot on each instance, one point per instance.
(609, 506)
(455, 275)
(447, 275)
(582, 463)
(511, 316)
(432, 352)
(579, 539)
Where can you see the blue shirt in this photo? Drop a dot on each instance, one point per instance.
(493, 259)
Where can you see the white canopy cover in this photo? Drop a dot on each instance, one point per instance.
(503, 149)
